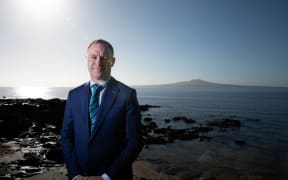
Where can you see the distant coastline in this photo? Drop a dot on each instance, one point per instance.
(203, 83)
(188, 83)
(195, 84)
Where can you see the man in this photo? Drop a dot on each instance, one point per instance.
(101, 131)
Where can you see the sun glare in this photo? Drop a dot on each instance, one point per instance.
(40, 9)
(32, 92)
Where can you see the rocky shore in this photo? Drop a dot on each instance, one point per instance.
(30, 127)
(30, 148)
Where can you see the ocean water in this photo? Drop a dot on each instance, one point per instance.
(263, 113)
(262, 110)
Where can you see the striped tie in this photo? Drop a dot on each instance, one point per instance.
(94, 104)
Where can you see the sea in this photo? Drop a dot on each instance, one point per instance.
(263, 112)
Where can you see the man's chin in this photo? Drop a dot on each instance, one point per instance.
(99, 77)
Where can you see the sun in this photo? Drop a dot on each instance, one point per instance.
(40, 9)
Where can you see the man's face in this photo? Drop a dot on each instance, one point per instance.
(100, 62)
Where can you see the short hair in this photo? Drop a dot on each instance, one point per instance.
(106, 44)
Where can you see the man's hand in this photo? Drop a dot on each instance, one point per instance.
(95, 178)
(79, 177)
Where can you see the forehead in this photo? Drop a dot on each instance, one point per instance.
(97, 48)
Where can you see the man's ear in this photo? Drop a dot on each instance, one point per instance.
(112, 62)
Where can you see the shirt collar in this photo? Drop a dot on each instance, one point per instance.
(102, 83)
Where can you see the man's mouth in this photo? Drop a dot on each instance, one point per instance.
(96, 69)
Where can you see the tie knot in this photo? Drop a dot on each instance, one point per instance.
(96, 88)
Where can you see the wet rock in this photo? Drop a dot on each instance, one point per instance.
(34, 124)
(12, 122)
(151, 125)
(179, 118)
(189, 121)
(49, 145)
(240, 142)
(171, 170)
(205, 138)
(31, 169)
(146, 107)
(202, 129)
(167, 120)
(31, 161)
(156, 135)
(147, 119)
(226, 123)
(160, 130)
(17, 115)
(29, 155)
(19, 174)
(184, 119)
(181, 134)
(48, 138)
(54, 155)
(6, 177)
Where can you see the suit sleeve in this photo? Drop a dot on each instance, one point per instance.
(67, 141)
(133, 136)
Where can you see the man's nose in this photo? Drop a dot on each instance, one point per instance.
(97, 60)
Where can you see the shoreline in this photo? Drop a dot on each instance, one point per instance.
(30, 149)
(11, 151)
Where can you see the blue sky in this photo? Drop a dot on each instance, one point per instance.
(155, 41)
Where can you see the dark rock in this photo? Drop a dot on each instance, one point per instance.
(29, 155)
(19, 174)
(17, 115)
(147, 119)
(167, 120)
(205, 138)
(49, 145)
(48, 138)
(6, 177)
(181, 134)
(152, 125)
(179, 118)
(31, 169)
(152, 134)
(184, 119)
(160, 130)
(54, 155)
(189, 121)
(202, 129)
(146, 107)
(226, 123)
(35, 124)
(171, 170)
(32, 161)
(240, 142)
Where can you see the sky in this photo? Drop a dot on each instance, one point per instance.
(43, 42)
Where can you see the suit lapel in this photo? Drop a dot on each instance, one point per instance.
(107, 101)
(84, 103)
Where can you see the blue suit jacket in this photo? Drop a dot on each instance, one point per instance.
(117, 139)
